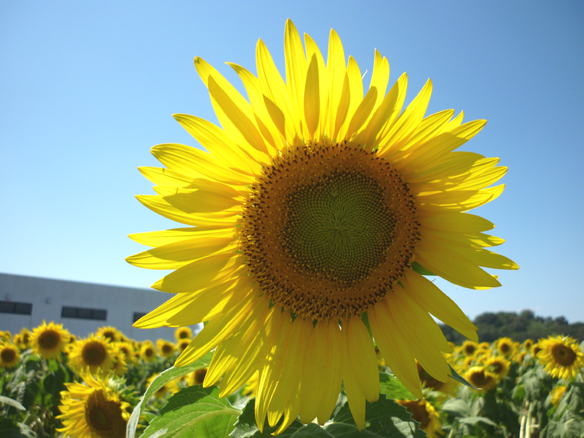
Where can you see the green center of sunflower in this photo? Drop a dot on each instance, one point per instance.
(563, 355)
(341, 227)
(328, 229)
(94, 353)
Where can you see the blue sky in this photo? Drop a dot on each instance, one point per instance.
(88, 87)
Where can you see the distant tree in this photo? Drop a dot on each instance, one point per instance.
(518, 327)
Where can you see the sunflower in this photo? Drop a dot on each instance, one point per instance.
(498, 366)
(197, 377)
(557, 394)
(527, 344)
(5, 336)
(127, 349)
(505, 346)
(183, 333)
(165, 349)
(92, 354)
(315, 207)
(450, 387)
(22, 339)
(561, 356)
(147, 351)
(469, 348)
(93, 409)
(48, 340)
(425, 414)
(111, 333)
(9, 356)
(120, 366)
(481, 378)
(182, 344)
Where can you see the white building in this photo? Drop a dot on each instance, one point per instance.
(81, 307)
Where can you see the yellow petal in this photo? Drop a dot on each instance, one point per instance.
(394, 348)
(162, 207)
(218, 143)
(274, 88)
(453, 267)
(176, 255)
(407, 123)
(256, 98)
(198, 275)
(321, 376)
(313, 50)
(165, 237)
(295, 66)
(312, 97)
(240, 125)
(432, 299)
(336, 68)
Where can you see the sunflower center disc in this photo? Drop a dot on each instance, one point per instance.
(563, 355)
(104, 416)
(49, 339)
(328, 230)
(94, 353)
(8, 355)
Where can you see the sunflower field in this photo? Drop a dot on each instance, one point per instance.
(106, 385)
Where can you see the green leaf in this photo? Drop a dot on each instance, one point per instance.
(11, 402)
(393, 388)
(457, 407)
(420, 269)
(194, 412)
(460, 379)
(474, 420)
(384, 418)
(246, 427)
(161, 380)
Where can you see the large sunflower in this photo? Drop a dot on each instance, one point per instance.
(93, 409)
(561, 356)
(312, 214)
(48, 340)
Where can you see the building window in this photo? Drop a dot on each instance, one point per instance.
(138, 315)
(83, 313)
(15, 307)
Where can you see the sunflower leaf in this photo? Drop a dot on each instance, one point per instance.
(459, 378)
(11, 402)
(246, 427)
(393, 388)
(383, 418)
(161, 380)
(194, 411)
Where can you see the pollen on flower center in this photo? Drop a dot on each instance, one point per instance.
(328, 229)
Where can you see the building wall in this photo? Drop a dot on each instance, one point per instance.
(48, 297)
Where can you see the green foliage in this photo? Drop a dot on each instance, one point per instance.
(384, 418)
(519, 327)
(194, 411)
(161, 380)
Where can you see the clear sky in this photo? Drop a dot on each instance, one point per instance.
(86, 88)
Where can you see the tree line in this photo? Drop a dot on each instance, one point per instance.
(518, 327)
